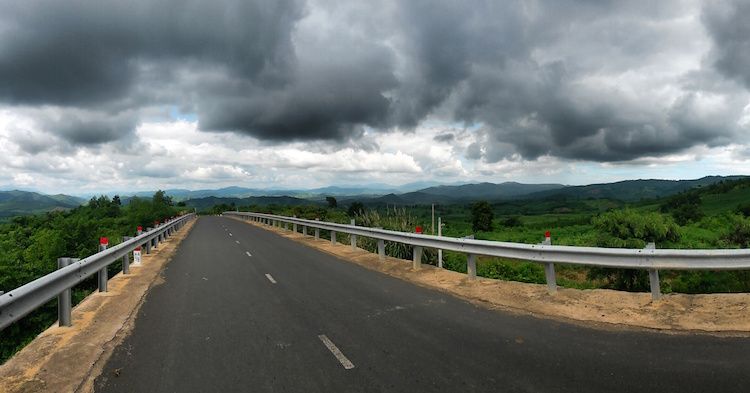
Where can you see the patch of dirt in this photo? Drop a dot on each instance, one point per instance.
(715, 314)
(68, 359)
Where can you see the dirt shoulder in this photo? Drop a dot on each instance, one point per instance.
(715, 314)
(68, 359)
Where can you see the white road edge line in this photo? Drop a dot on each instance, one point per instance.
(248, 253)
(268, 276)
(230, 234)
(336, 352)
(238, 242)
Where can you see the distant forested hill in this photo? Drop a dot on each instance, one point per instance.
(25, 203)
(635, 190)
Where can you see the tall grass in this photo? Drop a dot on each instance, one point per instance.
(394, 220)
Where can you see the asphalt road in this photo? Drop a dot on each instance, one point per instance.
(243, 309)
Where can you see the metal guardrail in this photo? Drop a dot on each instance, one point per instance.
(649, 259)
(19, 302)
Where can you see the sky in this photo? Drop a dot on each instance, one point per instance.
(143, 95)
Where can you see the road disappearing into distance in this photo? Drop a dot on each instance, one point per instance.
(243, 309)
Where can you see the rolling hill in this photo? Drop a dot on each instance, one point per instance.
(491, 190)
(209, 202)
(24, 203)
(634, 190)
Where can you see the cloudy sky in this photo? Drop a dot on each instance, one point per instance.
(147, 94)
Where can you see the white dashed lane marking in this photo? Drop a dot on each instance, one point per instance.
(336, 352)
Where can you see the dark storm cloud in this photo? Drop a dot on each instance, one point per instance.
(288, 70)
(104, 56)
(543, 108)
(91, 130)
(325, 102)
(727, 24)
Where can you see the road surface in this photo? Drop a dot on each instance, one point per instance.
(243, 309)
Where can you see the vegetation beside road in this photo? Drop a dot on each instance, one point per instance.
(707, 217)
(30, 246)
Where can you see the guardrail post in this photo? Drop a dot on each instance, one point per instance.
(417, 259)
(63, 299)
(148, 243)
(304, 230)
(295, 224)
(471, 262)
(317, 230)
(471, 266)
(157, 239)
(286, 226)
(381, 249)
(417, 252)
(440, 251)
(353, 238)
(102, 275)
(549, 268)
(126, 258)
(653, 278)
(333, 238)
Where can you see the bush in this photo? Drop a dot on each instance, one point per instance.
(628, 229)
(739, 231)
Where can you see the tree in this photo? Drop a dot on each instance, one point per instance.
(355, 208)
(331, 202)
(482, 216)
(160, 198)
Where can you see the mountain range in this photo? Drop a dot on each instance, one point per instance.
(13, 203)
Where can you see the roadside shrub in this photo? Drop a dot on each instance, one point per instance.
(629, 229)
(528, 272)
(396, 220)
(739, 231)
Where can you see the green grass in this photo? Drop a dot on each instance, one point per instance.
(723, 203)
